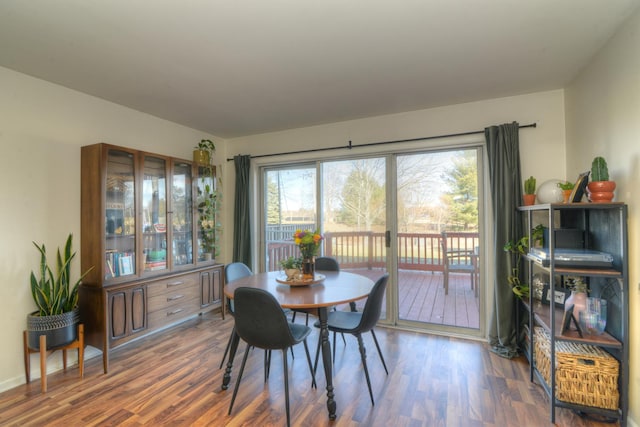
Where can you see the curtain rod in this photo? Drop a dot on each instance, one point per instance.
(370, 144)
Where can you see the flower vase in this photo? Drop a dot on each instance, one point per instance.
(308, 268)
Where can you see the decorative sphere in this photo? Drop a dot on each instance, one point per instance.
(549, 192)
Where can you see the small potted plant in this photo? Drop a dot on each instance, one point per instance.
(56, 296)
(600, 189)
(567, 188)
(291, 266)
(529, 191)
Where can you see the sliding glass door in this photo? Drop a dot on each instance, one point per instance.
(354, 216)
(415, 215)
(438, 239)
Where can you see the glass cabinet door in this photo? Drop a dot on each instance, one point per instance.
(154, 214)
(182, 215)
(120, 215)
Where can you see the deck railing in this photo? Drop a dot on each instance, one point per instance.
(416, 251)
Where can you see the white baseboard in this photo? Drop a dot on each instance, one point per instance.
(54, 364)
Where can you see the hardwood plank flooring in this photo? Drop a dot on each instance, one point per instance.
(172, 378)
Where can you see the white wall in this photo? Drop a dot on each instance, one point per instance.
(603, 119)
(42, 127)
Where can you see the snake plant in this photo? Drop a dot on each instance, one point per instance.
(54, 293)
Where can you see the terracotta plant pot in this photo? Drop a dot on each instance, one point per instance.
(601, 191)
(566, 195)
(529, 199)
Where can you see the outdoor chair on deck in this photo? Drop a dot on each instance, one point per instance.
(457, 260)
(358, 323)
(261, 323)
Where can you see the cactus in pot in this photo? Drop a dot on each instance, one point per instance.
(600, 189)
(529, 191)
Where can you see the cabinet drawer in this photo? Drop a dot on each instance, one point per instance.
(173, 284)
(173, 297)
(170, 314)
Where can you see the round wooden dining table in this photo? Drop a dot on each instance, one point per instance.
(336, 288)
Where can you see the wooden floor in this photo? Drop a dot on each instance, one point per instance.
(172, 378)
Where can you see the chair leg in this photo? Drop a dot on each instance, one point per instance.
(334, 347)
(311, 368)
(226, 350)
(446, 282)
(363, 356)
(375, 340)
(235, 391)
(315, 363)
(286, 384)
(293, 317)
(267, 364)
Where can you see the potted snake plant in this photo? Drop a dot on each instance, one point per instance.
(56, 297)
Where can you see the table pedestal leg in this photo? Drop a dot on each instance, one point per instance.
(326, 360)
(226, 379)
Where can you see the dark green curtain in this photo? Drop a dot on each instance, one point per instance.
(506, 193)
(241, 223)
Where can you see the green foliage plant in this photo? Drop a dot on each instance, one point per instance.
(208, 201)
(519, 248)
(55, 293)
(291, 262)
(599, 170)
(567, 185)
(530, 185)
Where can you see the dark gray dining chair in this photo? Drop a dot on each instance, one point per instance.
(358, 323)
(233, 271)
(261, 323)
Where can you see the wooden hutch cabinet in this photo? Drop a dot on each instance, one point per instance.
(141, 233)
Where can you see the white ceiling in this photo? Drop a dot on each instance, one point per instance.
(242, 67)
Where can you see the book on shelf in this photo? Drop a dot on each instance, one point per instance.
(118, 263)
(126, 265)
(155, 265)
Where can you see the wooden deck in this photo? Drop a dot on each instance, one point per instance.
(422, 297)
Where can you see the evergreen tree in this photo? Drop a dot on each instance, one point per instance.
(462, 198)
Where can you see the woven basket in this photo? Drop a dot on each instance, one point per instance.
(585, 374)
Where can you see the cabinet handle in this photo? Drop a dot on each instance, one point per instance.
(171, 313)
(173, 298)
(178, 283)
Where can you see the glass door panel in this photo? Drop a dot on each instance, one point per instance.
(181, 215)
(290, 204)
(354, 216)
(154, 213)
(438, 238)
(120, 215)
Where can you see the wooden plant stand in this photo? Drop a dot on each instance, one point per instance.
(44, 353)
